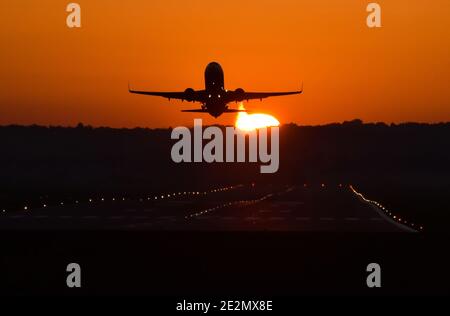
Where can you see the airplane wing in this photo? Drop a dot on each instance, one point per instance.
(263, 95)
(188, 95)
(243, 95)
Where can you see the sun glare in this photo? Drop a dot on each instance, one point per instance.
(250, 122)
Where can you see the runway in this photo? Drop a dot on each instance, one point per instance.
(242, 239)
(249, 207)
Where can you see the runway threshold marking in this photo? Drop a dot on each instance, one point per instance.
(16, 216)
(90, 217)
(303, 218)
(116, 217)
(140, 217)
(228, 218)
(276, 218)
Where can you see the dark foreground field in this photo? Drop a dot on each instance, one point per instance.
(137, 223)
(223, 264)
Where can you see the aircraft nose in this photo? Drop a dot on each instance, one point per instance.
(214, 64)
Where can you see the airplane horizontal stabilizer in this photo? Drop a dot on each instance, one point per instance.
(234, 111)
(206, 111)
(195, 111)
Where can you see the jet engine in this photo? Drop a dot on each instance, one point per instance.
(239, 94)
(189, 94)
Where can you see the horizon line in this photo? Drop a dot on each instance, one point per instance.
(354, 122)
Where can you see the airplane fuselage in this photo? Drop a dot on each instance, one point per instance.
(216, 95)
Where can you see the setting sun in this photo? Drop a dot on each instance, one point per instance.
(250, 122)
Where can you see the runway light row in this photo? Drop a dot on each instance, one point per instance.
(386, 211)
(322, 185)
(149, 198)
(241, 203)
(176, 194)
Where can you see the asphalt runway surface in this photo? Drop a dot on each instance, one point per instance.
(251, 207)
(240, 240)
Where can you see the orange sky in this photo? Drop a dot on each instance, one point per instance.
(51, 74)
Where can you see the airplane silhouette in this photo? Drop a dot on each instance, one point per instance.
(214, 98)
